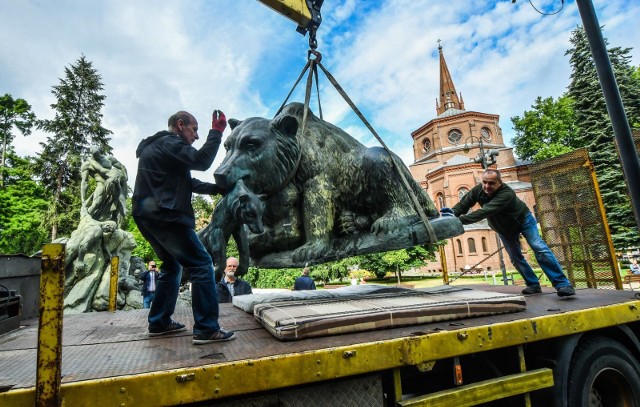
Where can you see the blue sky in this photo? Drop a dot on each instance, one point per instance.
(160, 56)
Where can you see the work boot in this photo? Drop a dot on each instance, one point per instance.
(532, 289)
(566, 291)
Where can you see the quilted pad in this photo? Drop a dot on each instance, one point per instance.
(292, 320)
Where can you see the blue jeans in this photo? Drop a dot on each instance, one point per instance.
(147, 299)
(178, 246)
(545, 257)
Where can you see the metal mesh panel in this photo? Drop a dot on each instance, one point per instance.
(572, 219)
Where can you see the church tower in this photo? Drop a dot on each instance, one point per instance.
(448, 161)
(448, 96)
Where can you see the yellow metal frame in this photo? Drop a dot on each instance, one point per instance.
(443, 264)
(612, 251)
(221, 380)
(113, 284)
(49, 357)
(486, 391)
(295, 10)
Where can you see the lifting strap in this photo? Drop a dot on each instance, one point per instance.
(313, 63)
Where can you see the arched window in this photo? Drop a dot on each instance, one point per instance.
(485, 247)
(440, 199)
(459, 246)
(462, 192)
(472, 245)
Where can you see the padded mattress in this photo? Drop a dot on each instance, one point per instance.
(292, 320)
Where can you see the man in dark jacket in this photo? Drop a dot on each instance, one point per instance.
(230, 286)
(509, 217)
(164, 215)
(304, 282)
(148, 280)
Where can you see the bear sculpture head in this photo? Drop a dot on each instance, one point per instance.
(263, 153)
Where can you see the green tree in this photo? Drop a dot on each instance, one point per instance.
(594, 130)
(546, 131)
(143, 248)
(13, 114)
(396, 261)
(22, 208)
(76, 126)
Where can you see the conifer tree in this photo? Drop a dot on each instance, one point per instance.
(595, 131)
(76, 126)
(14, 113)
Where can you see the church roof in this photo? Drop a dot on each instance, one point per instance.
(518, 185)
(457, 159)
(450, 112)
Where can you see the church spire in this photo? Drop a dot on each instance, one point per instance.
(448, 96)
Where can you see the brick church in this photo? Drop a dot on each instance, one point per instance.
(447, 163)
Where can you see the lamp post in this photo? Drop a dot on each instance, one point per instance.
(485, 159)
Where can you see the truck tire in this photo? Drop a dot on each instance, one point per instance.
(603, 373)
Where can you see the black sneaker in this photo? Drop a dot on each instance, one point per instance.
(220, 336)
(532, 289)
(173, 327)
(565, 291)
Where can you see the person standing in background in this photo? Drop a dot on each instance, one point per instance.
(148, 279)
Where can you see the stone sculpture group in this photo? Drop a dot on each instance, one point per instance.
(98, 238)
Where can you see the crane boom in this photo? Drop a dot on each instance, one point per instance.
(306, 13)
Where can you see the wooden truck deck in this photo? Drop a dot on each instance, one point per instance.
(109, 355)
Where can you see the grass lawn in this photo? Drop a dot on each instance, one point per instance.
(434, 281)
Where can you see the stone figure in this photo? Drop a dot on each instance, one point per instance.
(108, 200)
(236, 209)
(326, 196)
(98, 238)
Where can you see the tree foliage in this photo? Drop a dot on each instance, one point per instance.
(22, 209)
(595, 132)
(76, 126)
(546, 131)
(14, 114)
(397, 261)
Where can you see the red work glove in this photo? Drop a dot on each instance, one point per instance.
(218, 121)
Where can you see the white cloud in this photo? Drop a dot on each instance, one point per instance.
(157, 57)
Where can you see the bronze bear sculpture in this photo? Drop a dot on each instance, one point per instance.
(326, 196)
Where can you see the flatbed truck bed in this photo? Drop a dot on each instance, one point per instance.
(108, 358)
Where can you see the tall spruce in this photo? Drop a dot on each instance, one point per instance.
(595, 131)
(76, 126)
(14, 114)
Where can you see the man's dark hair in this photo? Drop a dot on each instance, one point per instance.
(492, 171)
(181, 115)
